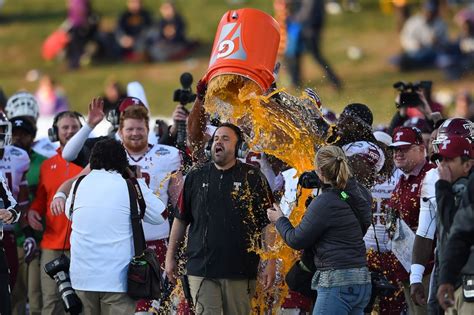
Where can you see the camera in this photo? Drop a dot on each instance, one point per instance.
(408, 92)
(310, 180)
(185, 95)
(380, 287)
(58, 270)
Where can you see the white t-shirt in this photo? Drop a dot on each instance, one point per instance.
(157, 167)
(381, 194)
(427, 216)
(102, 237)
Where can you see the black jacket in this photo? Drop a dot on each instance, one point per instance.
(459, 249)
(331, 228)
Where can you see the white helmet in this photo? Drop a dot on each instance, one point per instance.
(5, 131)
(22, 104)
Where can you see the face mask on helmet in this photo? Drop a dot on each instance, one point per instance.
(5, 131)
(22, 104)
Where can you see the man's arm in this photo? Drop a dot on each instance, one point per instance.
(175, 187)
(178, 231)
(75, 144)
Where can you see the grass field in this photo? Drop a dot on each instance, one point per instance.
(24, 24)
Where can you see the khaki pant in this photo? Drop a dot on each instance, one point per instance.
(221, 296)
(461, 307)
(414, 309)
(52, 303)
(105, 303)
(27, 285)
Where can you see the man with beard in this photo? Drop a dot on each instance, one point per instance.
(224, 204)
(53, 172)
(160, 166)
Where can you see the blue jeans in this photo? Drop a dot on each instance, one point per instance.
(347, 299)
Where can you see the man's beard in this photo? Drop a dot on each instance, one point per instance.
(135, 146)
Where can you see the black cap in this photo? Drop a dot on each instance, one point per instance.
(24, 123)
(359, 110)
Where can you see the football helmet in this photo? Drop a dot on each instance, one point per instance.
(454, 127)
(22, 104)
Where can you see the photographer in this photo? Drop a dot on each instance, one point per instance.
(101, 238)
(334, 226)
(414, 100)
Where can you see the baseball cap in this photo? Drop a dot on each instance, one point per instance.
(368, 151)
(453, 147)
(405, 136)
(24, 123)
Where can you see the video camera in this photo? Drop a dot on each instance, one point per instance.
(408, 92)
(185, 95)
(58, 270)
(310, 180)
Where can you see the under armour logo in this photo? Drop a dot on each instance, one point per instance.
(398, 135)
(205, 185)
(53, 166)
(445, 144)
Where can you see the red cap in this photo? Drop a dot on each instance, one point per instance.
(454, 147)
(128, 101)
(405, 136)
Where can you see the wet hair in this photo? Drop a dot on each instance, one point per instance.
(110, 155)
(359, 110)
(334, 166)
(135, 112)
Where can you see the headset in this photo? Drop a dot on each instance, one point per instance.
(241, 147)
(53, 131)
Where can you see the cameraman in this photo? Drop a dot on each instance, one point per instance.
(415, 100)
(102, 238)
(331, 226)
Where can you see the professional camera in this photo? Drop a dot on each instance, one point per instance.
(380, 287)
(185, 95)
(310, 180)
(58, 270)
(408, 92)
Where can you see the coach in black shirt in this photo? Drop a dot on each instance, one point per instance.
(224, 203)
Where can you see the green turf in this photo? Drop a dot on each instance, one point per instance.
(24, 24)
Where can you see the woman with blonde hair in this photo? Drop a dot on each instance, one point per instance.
(333, 227)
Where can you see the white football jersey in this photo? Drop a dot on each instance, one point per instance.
(45, 147)
(13, 165)
(157, 167)
(381, 194)
(260, 161)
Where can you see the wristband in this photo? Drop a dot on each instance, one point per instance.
(15, 215)
(60, 194)
(416, 273)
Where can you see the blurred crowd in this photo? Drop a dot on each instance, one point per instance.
(388, 226)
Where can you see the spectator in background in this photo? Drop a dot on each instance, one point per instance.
(305, 25)
(83, 27)
(133, 26)
(168, 38)
(50, 97)
(422, 38)
(464, 105)
(113, 92)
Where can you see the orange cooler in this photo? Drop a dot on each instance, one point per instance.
(246, 44)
